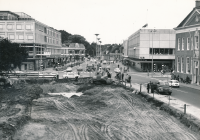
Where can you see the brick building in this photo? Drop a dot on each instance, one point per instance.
(187, 46)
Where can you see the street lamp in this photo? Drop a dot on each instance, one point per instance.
(152, 31)
(96, 43)
(100, 49)
(97, 46)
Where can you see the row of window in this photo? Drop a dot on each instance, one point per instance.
(18, 26)
(55, 51)
(52, 41)
(18, 36)
(189, 43)
(180, 64)
(163, 51)
(52, 33)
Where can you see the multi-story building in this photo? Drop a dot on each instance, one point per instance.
(150, 48)
(42, 41)
(187, 46)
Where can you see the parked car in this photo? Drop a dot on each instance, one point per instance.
(174, 83)
(163, 87)
(71, 75)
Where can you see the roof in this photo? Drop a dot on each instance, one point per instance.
(196, 9)
(181, 24)
(9, 12)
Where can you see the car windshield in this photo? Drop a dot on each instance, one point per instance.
(164, 83)
(70, 74)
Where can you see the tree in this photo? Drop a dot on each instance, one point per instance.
(11, 55)
(76, 39)
(64, 35)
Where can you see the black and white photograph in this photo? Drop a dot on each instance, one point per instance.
(99, 70)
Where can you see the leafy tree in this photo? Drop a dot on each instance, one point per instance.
(76, 39)
(11, 55)
(64, 35)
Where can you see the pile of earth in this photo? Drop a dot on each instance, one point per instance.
(103, 112)
(15, 108)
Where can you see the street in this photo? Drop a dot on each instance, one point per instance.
(188, 95)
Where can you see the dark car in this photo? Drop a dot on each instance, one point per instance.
(163, 87)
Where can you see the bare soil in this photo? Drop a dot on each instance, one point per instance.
(101, 113)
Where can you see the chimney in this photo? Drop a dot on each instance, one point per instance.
(197, 3)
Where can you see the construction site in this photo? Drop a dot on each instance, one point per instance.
(43, 110)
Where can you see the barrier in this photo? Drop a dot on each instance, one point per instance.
(28, 75)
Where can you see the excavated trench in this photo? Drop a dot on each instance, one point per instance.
(101, 112)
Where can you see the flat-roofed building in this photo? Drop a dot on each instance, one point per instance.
(40, 39)
(146, 45)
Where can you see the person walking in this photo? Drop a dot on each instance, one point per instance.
(122, 76)
(148, 87)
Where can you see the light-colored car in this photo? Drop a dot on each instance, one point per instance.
(174, 83)
(70, 75)
(163, 87)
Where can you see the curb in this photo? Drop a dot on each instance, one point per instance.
(188, 120)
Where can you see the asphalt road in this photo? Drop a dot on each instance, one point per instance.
(189, 95)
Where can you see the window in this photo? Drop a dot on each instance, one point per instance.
(1, 27)
(178, 64)
(182, 44)
(2, 35)
(28, 27)
(192, 43)
(30, 37)
(188, 43)
(179, 43)
(182, 63)
(150, 50)
(188, 65)
(12, 37)
(166, 51)
(20, 36)
(19, 27)
(9, 26)
(191, 65)
(196, 42)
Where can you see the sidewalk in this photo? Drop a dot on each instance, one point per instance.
(176, 103)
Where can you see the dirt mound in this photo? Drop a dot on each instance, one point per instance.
(101, 113)
(15, 107)
(57, 88)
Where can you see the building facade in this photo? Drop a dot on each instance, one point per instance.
(187, 46)
(42, 41)
(149, 48)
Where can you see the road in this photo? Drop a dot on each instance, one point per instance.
(189, 95)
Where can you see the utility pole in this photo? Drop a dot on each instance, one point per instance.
(96, 43)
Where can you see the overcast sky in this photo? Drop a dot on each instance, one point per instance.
(114, 20)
